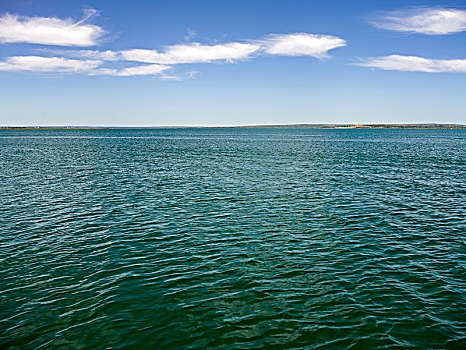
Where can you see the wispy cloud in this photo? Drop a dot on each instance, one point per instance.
(190, 34)
(47, 64)
(193, 53)
(178, 77)
(53, 31)
(297, 44)
(301, 44)
(107, 55)
(66, 65)
(49, 30)
(414, 63)
(431, 21)
(151, 69)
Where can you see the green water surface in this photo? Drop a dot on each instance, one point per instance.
(232, 239)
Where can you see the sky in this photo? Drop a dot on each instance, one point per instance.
(222, 63)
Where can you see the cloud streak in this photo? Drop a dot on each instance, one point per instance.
(47, 64)
(415, 64)
(150, 69)
(66, 65)
(297, 44)
(106, 55)
(193, 53)
(49, 31)
(301, 44)
(430, 21)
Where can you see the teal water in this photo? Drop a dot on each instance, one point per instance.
(230, 238)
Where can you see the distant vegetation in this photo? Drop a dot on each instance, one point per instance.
(278, 126)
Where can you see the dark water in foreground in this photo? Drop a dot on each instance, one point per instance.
(224, 239)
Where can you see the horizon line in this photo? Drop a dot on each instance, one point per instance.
(269, 126)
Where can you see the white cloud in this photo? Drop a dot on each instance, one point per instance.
(301, 44)
(431, 21)
(193, 53)
(297, 44)
(66, 65)
(413, 63)
(48, 31)
(171, 77)
(47, 64)
(96, 62)
(106, 55)
(149, 69)
(177, 77)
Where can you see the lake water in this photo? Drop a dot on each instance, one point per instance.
(232, 238)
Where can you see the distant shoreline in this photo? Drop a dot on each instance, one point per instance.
(277, 126)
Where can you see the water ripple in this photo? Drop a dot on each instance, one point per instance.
(226, 239)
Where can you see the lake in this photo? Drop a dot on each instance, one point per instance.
(232, 238)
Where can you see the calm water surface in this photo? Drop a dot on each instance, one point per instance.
(226, 239)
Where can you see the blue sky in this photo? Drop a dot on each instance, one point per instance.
(149, 63)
